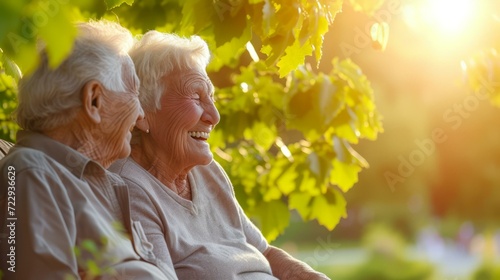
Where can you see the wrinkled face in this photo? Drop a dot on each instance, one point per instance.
(121, 112)
(186, 118)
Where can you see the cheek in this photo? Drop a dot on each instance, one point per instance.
(170, 129)
(183, 115)
(117, 122)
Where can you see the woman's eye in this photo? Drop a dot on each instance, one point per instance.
(196, 99)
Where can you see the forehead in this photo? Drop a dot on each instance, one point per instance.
(190, 79)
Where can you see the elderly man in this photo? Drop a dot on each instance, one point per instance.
(59, 204)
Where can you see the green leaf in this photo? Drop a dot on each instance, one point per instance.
(345, 153)
(89, 246)
(287, 180)
(111, 4)
(319, 166)
(77, 251)
(314, 106)
(196, 15)
(274, 217)
(308, 183)
(349, 72)
(229, 53)
(229, 22)
(300, 201)
(287, 17)
(26, 56)
(333, 7)
(272, 193)
(320, 27)
(344, 175)
(345, 126)
(275, 46)
(328, 209)
(92, 268)
(301, 104)
(10, 67)
(59, 34)
(295, 56)
(330, 99)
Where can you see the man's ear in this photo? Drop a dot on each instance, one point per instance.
(92, 94)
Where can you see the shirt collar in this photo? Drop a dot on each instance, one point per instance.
(73, 160)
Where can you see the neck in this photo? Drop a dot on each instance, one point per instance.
(156, 161)
(80, 138)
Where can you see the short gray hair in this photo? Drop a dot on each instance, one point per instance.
(48, 97)
(157, 55)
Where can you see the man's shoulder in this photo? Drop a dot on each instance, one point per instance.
(26, 160)
(23, 157)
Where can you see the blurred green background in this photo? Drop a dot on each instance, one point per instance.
(428, 206)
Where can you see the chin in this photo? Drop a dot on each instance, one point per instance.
(125, 152)
(206, 160)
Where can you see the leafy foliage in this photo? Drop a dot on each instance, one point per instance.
(286, 131)
(293, 140)
(482, 69)
(483, 74)
(9, 75)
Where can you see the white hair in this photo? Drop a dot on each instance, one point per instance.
(48, 97)
(157, 55)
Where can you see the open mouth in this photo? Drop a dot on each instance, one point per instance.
(199, 135)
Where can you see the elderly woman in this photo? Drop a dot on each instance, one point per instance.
(183, 198)
(59, 204)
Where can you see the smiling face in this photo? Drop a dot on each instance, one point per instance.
(186, 118)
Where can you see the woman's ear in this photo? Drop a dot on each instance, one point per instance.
(142, 125)
(92, 94)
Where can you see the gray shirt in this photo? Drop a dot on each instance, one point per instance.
(62, 220)
(207, 238)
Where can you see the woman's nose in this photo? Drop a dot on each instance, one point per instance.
(211, 114)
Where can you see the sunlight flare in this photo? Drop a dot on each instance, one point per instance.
(449, 16)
